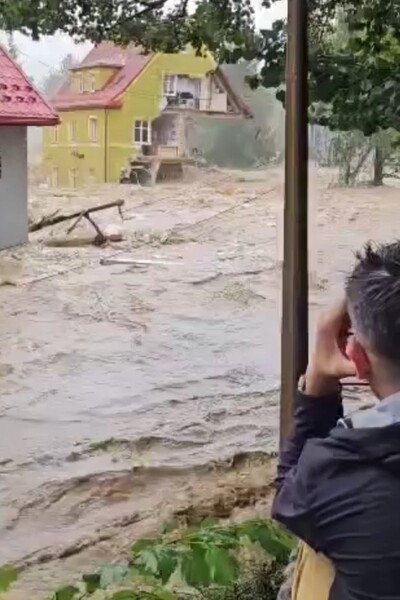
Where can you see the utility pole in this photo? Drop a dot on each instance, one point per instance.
(294, 332)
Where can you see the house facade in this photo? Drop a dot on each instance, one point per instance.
(21, 105)
(119, 104)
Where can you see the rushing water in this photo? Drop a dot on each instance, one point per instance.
(109, 367)
(113, 374)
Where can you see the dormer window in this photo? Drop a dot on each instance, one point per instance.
(92, 79)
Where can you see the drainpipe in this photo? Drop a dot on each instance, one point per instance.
(105, 145)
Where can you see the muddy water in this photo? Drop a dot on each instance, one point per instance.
(110, 367)
(114, 379)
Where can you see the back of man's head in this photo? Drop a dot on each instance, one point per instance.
(373, 297)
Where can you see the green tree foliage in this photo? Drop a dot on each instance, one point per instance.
(183, 562)
(354, 67)
(354, 84)
(208, 555)
(153, 23)
(7, 577)
(354, 46)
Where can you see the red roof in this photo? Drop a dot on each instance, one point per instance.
(20, 102)
(107, 55)
(129, 63)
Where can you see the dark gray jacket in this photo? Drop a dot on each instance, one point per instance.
(338, 489)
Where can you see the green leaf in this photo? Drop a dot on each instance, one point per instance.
(127, 595)
(270, 538)
(224, 568)
(113, 574)
(194, 567)
(92, 582)
(163, 594)
(167, 563)
(138, 574)
(147, 560)
(160, 561)
(216, 536)
(66, 593)
(141, 545)
(7, 576)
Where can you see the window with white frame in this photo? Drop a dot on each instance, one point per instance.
(81, 83)
(73, 178)
(92, 79)
(72, 131)
(54, 134)
(142, 133)
(93, 129)
(170, 83)
(54, 177)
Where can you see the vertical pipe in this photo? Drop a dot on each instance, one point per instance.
(294, 340)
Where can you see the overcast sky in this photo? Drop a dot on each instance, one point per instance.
(39, 58)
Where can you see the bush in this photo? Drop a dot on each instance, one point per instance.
(212, 561)
(262, 582)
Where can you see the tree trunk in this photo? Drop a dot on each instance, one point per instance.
(359, 165)
(347, 174)
(379, 161)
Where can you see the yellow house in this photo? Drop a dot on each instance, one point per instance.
(120, 104)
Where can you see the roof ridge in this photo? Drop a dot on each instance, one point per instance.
(109, 95)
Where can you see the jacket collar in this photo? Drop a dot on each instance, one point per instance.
(385, 413)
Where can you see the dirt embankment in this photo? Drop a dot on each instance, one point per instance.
(147, 499)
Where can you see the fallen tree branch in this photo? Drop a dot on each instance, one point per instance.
(100, 238)
(54, 220)
(75, 223)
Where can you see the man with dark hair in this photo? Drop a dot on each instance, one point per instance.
(338, 484)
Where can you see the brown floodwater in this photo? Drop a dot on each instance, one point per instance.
(109, 371)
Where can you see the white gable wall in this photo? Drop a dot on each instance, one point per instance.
(13, 186)
(212, 96)
(219, 98)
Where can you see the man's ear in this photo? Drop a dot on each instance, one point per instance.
(358, 356)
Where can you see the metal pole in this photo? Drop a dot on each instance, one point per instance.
(294, 340)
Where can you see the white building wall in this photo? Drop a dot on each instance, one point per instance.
(13, 186)
(205, 93)
(219, 99)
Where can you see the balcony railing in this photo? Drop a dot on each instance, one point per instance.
(183, 100)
